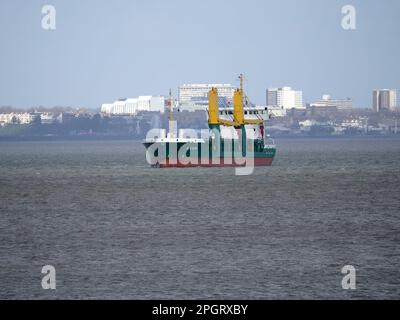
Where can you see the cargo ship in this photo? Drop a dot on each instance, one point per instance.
(232, 139)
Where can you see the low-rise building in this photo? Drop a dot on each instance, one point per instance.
(48, 118)
(328, 102)
(276, 112)
(134, 105)
(17, 118)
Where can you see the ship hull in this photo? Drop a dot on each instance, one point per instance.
(220, 162)
(222, 158)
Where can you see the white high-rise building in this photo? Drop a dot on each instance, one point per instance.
(384, 99)
(285, 97)
(190, 92)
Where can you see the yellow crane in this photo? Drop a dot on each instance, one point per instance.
(213, 111)
(238, 110)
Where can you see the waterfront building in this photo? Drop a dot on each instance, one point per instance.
(285, 97)
(17, 118)
(189, 93)
(48, 118)
(134, 105)
(328, 102)
(201, 104)
(276, 112)
(384, 99)
(107, 108)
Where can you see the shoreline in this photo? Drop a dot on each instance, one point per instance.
(127, 138)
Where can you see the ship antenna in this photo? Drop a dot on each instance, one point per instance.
(241, 77)
(170, 113)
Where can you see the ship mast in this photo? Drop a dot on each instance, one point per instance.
(170, 114)
(241, 77)
(239, 102)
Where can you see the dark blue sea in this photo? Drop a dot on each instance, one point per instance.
(115, 228)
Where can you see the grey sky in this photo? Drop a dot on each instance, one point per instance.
(104, 50)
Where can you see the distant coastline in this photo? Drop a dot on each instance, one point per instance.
(77, 126)
(136, 140)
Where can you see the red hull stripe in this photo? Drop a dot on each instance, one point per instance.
(258, 162)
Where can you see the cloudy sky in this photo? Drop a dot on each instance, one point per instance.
(104, 50)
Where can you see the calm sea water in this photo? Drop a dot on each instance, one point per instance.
(114, 228)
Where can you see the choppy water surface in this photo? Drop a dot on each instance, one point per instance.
(114, 228)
